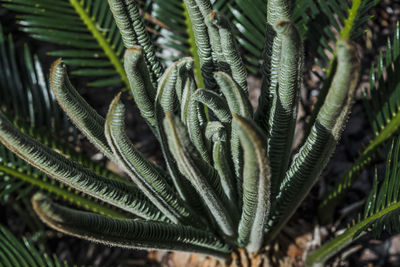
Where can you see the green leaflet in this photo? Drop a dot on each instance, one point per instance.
(230, 50)
(381, 212)
(256, 185)
(382, 108)
(17, 253)
(130, 23)
(47, 184)
(141, 88)
(80, 112)
(148, 177)
(87, 29)
(116, 193)
(312, 157)
(286, 99)
(127, 233)
(200, 174)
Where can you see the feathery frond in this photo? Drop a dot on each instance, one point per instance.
(87, 29)
(381, 212)
(256, 185)
(17, 253)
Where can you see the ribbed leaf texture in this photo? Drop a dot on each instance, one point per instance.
(229, 181)
(381, 211)
(382, 106)
(127, 233)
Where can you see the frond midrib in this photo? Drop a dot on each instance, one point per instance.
(102, 41)
(344, 239)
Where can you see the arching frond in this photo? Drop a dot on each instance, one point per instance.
(141, 89)
(128, 233)
(383, 110)
(77, 109)
(381, 212)
(116, 193)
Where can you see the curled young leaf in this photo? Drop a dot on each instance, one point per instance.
(148, 177)
(200, 174)
(133, 31)
(128, 233)
(284, 113)
(116, 193)
(230, 50)
(141, 88)
(256, 184)
(81, 113)
(313, 156)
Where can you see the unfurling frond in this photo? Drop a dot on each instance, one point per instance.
(313, 156)
(127, 233)
(126, 197)
(133, 31)
(384, 114)
(80, 112)
(202, 176)
(256, 185)
(148, 177)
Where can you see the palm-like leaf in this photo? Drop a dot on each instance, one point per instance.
(17, 253)
(381, 211)
(87, 29)
(382, 106)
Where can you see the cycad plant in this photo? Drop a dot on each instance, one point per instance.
(231, 182)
